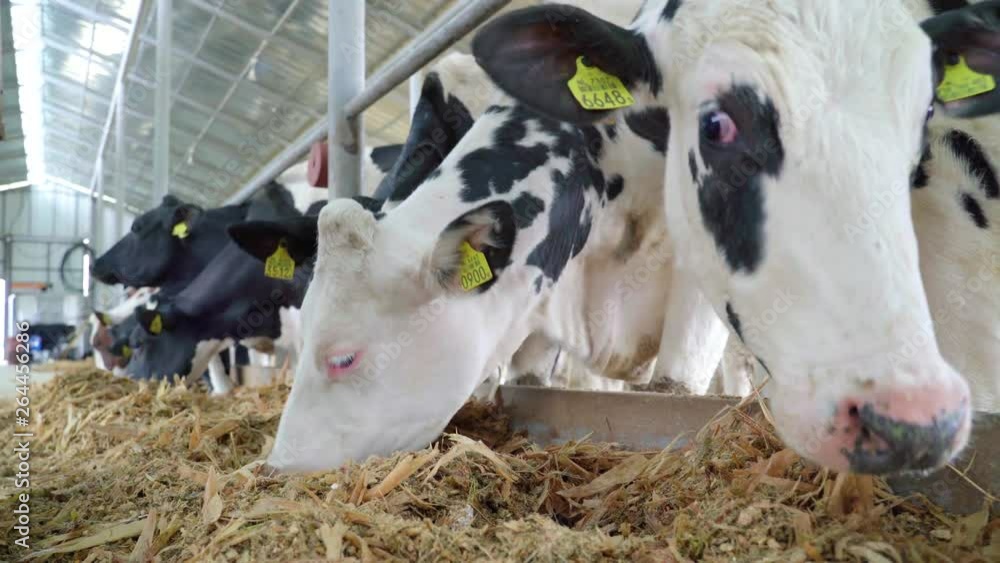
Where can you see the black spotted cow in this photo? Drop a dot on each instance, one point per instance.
(561, 214)
(454, 94)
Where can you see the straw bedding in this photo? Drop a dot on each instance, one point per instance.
(126, 471)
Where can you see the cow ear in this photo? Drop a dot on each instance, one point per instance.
(439, 123)
(471, 251)
(532, 54)
(152, 321)
(967, 50)
(182, 220)
(262, 239)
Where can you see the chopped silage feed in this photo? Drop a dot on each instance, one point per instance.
(129, 471)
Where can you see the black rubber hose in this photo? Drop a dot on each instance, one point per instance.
(65, 259)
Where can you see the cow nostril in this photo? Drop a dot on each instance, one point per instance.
(854, 412)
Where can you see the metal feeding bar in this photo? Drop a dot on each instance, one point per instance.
(345, 73)
(161, 102)
(455, 24)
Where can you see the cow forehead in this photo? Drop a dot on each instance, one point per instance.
(839, 51)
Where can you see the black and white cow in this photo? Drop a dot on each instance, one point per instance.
(168, 246)
(230, 299)
(796, 128)
(956, 206)
(455, 92)
(570, 222)
(110, 331)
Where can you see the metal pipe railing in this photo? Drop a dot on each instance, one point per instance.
(161, 103)
(456, 23)
(121, 168)
(345, 70)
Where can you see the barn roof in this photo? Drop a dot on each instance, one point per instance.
(237, 66)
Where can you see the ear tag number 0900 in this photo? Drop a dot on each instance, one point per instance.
(280, 265)
(962, 82)
(597, 90)
(475, 270)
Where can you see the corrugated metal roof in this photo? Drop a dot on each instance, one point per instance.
(13, 168)
(248, 78)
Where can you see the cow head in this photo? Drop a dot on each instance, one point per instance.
(388, 284)
(795, 128)
(143, 256)
(162, 345)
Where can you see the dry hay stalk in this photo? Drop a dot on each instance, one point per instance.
(142, 472)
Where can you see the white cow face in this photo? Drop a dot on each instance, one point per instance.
(405, 348)
(791, 174)
(795, 127)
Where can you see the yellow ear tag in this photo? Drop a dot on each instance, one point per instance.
(280, 265)
(156, 327)
(475, 270)
(106, 319)
(126, 352)
(597, 90)
(962, 82)
(181, 230)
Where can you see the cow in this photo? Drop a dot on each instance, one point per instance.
(566, 221)
(185, 333)
(796, 130)
(110, 330)
(956, 208)
(456, 92)
(954, 223)
(236, 275)
(167, 246)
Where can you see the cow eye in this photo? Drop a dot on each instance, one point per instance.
(930, 112)
(718, 127)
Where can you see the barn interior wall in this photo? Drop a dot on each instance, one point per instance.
(43, 223)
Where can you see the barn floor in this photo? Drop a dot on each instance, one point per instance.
(122, 470)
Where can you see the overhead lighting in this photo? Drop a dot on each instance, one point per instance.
(77, 188)
(87, 192)
(3, 320)
(86, 274)
(14, 186)
(10, 312)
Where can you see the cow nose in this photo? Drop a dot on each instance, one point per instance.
(909, 431)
